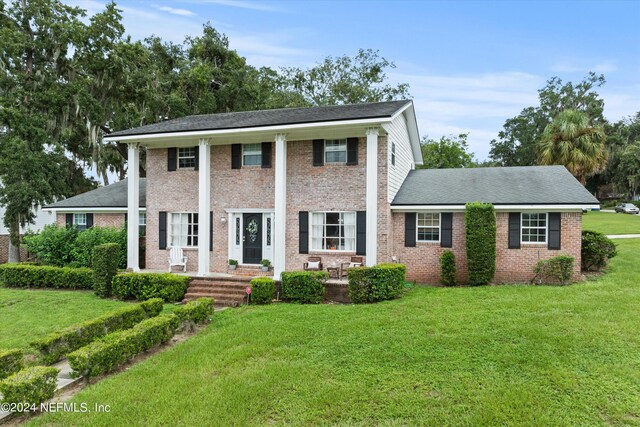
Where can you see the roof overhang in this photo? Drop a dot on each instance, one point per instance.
(513, 207)
(85, 209)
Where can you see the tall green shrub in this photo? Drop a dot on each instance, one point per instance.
(597, 250)
(87, 240)
(480, 223)
(263, 290)
(105, 267)
(448, 268)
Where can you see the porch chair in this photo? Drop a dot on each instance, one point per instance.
(314, 263)
(176, 257)
(356, 261)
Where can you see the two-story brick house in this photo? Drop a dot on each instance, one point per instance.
(285, 184)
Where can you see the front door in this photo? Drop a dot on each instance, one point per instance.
(252, 239)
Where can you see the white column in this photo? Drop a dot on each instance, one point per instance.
(204, 206)
(133, 207)
(280, 211)
(372, 196)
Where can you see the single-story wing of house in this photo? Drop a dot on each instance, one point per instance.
(336, 183)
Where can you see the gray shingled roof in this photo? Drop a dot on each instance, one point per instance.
(526, 185)
(111, 196)
(283, 116)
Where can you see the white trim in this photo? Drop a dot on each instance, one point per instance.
(204, 206)
(274, 128)
(280, 207)
(133, 210)
(372, 197)
(91, 210)
(249, 210)
(461, 208)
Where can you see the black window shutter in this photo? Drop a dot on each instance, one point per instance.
(446, 228)
(303, 242)
(89, 220)
(318, 152)
(266, 154)
(361, 233)
(69, 220)
(514, 230)
(554, 230)
(410, 229)
(236, 156)
(162, 230)
(172, 159)
(210, 231)
(352, 151)
(197, 158)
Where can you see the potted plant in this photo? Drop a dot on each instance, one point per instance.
(265, 263)
(233, 263)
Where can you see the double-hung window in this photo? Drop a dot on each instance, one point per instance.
(428, 227)
(333, 231)
(534, 228)
(186, 157)
(335, 151)
(80, 221)
(184, 229)
(251, 154)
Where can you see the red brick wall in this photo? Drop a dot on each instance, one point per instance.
(99, 219)
(4, 249)
(512, 265)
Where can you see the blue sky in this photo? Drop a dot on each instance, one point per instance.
(470, 64)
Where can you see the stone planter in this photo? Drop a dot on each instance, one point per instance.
(232, 267)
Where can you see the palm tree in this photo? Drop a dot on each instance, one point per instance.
(570, 140)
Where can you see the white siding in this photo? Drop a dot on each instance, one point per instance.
(398, 134)
(42, 219)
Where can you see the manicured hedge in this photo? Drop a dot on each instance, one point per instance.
(194, 312)
(558, 269)
(597, 250)
(54, 346)
(263, 290)
(378, 283)
(152, 307)
(105, 267)
(33, 385)
(480, 224)
(11, 361)
(36, 276)
(306, 287)
(448, 268)
(142, 286)
(111, 351)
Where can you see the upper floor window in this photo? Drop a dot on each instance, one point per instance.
(534, 228)
(428, 227)
(335, 151)
(80, 221)
(333, 231)
(393, 153)
(251, 154)
(186, 157)
(184, 229)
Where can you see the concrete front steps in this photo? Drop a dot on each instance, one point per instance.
(228, 291)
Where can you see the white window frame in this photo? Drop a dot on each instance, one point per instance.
(343, 234)
(335, 146)
(393, 153)
(523, 227)
(256, 152)
(80, 220)
(188, 154)
(191, 223)
(428, 227)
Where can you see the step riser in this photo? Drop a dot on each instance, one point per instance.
(215, 290)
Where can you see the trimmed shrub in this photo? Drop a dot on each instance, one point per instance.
(597, 250)
(263, 290)
(32, 386)
(448, 268)
(111, 351)
(55, 345)
(152, 307)
(305, 287)
(379, 283)
(36, 276)
(142, 286)
(105, 267)
(558, 269)
(480, 224)
(194, 312)
(11, 361)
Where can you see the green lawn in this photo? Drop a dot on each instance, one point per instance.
(611, 223)
(499, 355)
(29, 314)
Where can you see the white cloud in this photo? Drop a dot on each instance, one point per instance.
(577, 66)
(243, 4)
(174, 11)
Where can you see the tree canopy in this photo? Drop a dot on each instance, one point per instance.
(447, 152)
